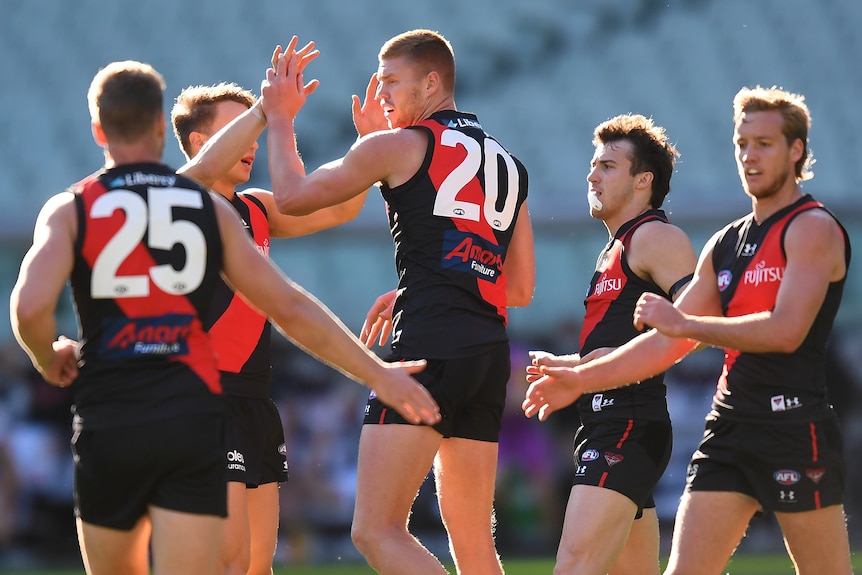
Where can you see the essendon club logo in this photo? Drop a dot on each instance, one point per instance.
(815, 475)
(141, 336)
(613, 458)
(471, 254)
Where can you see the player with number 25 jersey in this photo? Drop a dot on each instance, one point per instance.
(140, 295)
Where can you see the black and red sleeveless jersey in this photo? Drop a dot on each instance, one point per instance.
(749, 261)
(610, 303)
(147, 258)
(451, 224)
(239, 333)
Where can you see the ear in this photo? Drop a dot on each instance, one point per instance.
(162, 126)
(197, 140)
(644, 180)
(98, 134)
(796, 150)
(432, 82)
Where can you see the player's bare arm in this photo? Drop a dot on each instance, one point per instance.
(645, 356)
(312, 326)
(520, 265)
(225, 148)
(814, 246)
(33, 303)
(662, 253)
(392, 156)
(285, 226)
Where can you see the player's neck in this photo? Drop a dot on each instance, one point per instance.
(434, 107)
(119, 154)
(226, 189)
(624, 216)
(765, 207)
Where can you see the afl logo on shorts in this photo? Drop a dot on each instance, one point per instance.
(786, 476)
(589, 455)
(724, 279)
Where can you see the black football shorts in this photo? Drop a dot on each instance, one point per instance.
(470, 391)
(175, 464)
(786, 467)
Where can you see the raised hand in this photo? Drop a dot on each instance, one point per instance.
(368, 115)
(283, 92)
(305, 55)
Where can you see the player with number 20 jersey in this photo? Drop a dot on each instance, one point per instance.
(451, 224)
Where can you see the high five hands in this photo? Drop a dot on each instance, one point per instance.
(283, 92)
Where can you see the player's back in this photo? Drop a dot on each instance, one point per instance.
(452, 224)
(147, 257)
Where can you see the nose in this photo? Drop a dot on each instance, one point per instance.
(592, 175)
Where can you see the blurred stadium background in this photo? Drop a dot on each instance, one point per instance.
(540, 75)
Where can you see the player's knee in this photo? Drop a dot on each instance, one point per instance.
(237, 562)
(365, 535)
(371, 535)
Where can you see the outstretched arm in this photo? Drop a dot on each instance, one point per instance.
(286, 226)
(372, 159)
(814, 246)
(643, 357)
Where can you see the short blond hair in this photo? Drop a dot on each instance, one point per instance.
(126, 98)
(794, 111)
(427, 50)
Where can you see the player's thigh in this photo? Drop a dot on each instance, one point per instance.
(465, 473)
(595, 529)
(817, 540)
(185, 543)
(263, 514)
(108, 551)
(393, 462)
(640, 554)
(709, 525)
(234, 549)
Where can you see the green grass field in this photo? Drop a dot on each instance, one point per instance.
(749, 564)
